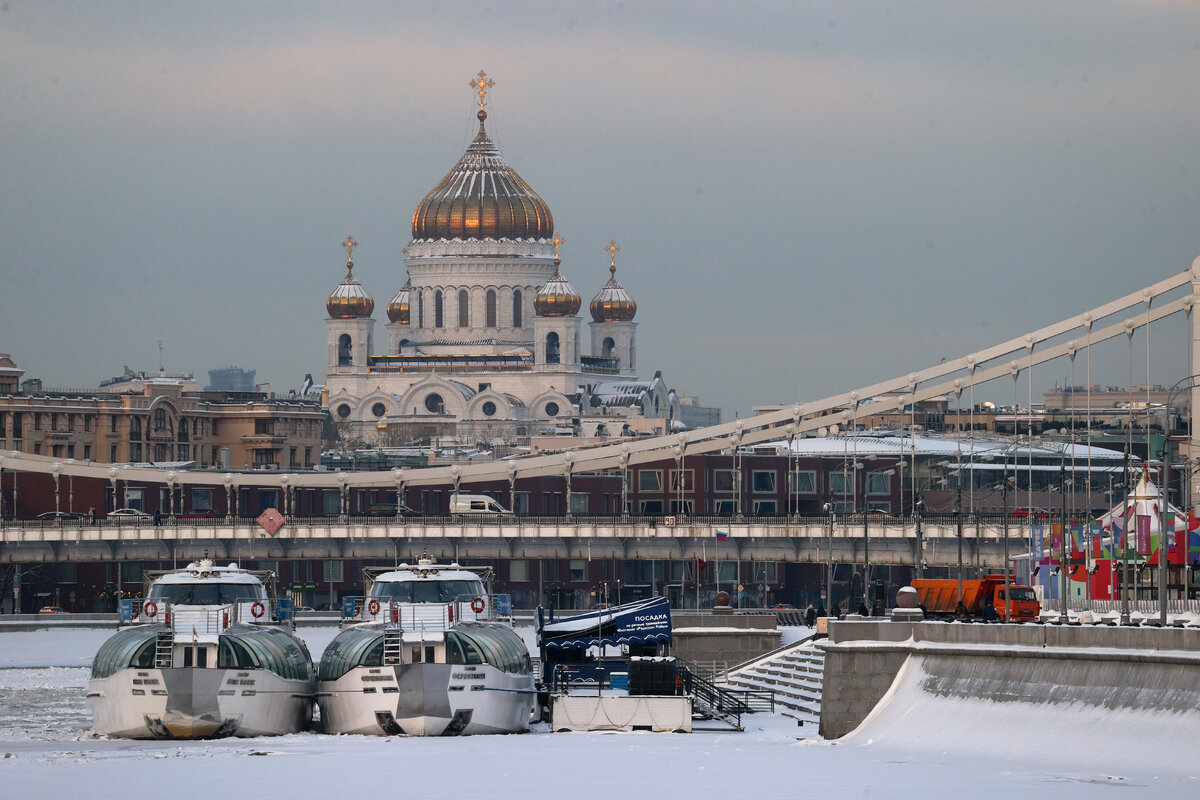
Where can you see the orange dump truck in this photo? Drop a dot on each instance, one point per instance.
(981, 597)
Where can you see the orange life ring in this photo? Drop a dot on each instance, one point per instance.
(373, 607)
(477, 605)
(257, 609)
(150, 608)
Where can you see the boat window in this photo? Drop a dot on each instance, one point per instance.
(274, 650)
(351, 648)
(206, 594)
(132, 647)
(494, 645)
(233, 653)
(432, 591)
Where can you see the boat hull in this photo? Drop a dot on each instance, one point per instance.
(426, 700)
(198, 703)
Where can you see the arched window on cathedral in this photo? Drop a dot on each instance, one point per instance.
(343, 350)
(608, 347)
(517, 323)
(552, 348)
(489, 308)
(464, 309)
(420, 310)
(437, 309)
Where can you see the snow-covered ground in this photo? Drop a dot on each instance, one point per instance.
(906, 751)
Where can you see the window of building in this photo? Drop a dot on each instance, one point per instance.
(420, 310)
(343, 411)
(87, 423)
(464, 309)
(724, 508)
(552, 355)
(112, 453)
(520, 502)
(552, 409)
(763, 480)
(345, 354)
(608, 347)
(723, 480)
(202, 499)
(764, 507)
(489, 408)
(160, 419)
(842, 507)
(839, 483)
(70, 451)
(879, 482)
(264, 427)
(682, 480)
(437, 309)
(518, 570)
(728, 572)
(331, 570)
(37, 421)
(804, 482)
(517, 323)
(652, 507)
(578, 569)
(87, 451)
(379, 409)
(766, 572)
(434, 403)
(579, 503)
(489, 308)
(650, 480)
(681, 508)
(112, 424)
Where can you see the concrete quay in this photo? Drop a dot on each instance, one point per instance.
(1155, 669)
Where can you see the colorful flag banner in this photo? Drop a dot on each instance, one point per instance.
(1038, 542)
(1143, 535)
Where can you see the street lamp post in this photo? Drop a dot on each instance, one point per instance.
(1065, 551)
(56, 471)
(829, 573)
(918, 507)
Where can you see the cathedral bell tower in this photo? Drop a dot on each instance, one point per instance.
(349, 329)
(613, 329)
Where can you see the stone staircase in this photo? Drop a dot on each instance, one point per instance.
(793, 673)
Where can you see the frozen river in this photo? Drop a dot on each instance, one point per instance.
(50, 752)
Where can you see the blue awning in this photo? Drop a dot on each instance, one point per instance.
(642, 622)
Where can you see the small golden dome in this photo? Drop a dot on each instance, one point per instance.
(482, 198)
(397, 309)
(557, 298)
(348, 300)
(613, 303)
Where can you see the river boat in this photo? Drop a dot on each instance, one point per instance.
(425, 654)
(211, 656)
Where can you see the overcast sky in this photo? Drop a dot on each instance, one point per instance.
(810, 196)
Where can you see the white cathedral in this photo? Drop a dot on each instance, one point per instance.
(483, 341)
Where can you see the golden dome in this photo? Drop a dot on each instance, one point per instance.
(348, 300)
(482, 198)
(557, 298)
(397, 309)
(612, 303)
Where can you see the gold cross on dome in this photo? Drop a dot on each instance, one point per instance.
(557, 241)
(481, 84)
(349, 244)
(612, 249)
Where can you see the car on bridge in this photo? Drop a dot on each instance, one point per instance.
(122, 514)
(206, 513)
(389, 510)
(54, 516)
(1031, 513)
(51, 610)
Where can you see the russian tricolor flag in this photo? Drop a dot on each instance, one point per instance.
(721, 536)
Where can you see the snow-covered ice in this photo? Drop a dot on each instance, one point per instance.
(49, 752)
